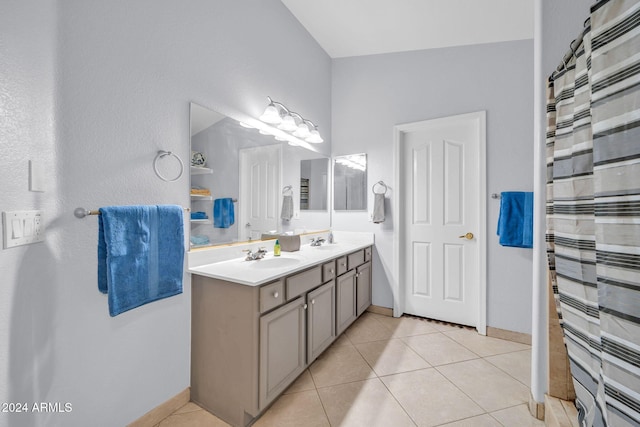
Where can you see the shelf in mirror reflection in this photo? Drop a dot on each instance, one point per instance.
(196, 170)
(201, 221)
(197, 198)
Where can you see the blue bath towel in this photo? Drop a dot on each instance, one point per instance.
(515, 224)
(140, 254)
(223, 213)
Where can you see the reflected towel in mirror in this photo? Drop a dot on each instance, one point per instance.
(287, 208)
(223, 213)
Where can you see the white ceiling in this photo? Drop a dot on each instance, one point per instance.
(366, 27)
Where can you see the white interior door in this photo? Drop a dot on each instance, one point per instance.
(440, 179)
(260, 183)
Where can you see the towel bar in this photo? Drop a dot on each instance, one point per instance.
(82, 212)
(495, 196)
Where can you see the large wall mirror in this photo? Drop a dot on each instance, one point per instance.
(350, 183)
(240, 177)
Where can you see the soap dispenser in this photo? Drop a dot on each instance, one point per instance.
(276, 248)
(330, 239)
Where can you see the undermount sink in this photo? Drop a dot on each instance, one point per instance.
(274, 263)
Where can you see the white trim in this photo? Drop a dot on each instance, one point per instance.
(398, 202)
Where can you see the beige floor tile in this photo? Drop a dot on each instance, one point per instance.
(406, 326)
(341, 341)
(517, 416)
(485, 346)
(516, 364)
(390, 357)
(363, 403)
(487, 385)
(303, 383)
(479, 421)
(339, 365)
(295, 410)
(438, 349)
(429, 398)
(366, 329)
(199, 418)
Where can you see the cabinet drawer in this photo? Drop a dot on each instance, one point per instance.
(300, 283)
(367, 253)
(271, 296)
(328, 271)
(355, 259)
(341, 267)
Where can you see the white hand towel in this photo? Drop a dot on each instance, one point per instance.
(287, 208)
(378, 208)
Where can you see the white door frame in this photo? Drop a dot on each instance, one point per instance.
(399, 204)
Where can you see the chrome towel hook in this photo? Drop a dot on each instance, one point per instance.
(379, 183)
(162, 154)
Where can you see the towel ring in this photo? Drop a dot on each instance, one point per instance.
(379, 183)
(289, 189)
(162, 154)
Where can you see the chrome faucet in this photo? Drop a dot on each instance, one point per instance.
(253, 256)
(317, 242)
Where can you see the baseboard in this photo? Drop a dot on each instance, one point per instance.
(536, 409)
(505, 334)
(559, 413)
(380, 310)
(163, 410)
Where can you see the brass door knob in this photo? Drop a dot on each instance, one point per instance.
(467, 236)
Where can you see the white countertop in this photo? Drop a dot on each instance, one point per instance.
(255, 273)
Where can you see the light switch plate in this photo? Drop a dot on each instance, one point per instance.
(36, 176)
(22, 228)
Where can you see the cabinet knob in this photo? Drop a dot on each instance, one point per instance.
(313, 301)
(331, 271)
(276, 294)
(357, 274)
(304, 306)
(344, 264)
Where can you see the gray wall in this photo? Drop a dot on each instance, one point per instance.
(94, 89)
(371, 94)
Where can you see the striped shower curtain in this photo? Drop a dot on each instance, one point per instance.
(593, 212)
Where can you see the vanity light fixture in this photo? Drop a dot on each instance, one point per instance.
(276, 113)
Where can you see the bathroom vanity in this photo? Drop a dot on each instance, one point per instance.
(257, 325)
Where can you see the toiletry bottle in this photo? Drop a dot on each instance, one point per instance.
(276, 248)
(330, 239)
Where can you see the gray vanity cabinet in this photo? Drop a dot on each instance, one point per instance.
(345, 300)
(321, 320)
(282, 348)
(363, 288)
(249, 343)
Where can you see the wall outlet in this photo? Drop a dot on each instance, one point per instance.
(22, 228)
(296, 214)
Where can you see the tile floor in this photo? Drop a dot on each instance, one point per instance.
(406, 371)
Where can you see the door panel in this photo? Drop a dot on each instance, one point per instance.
(282, 349)
(441, 203)
(260, 179)
(321, 319)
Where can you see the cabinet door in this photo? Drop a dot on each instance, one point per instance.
(282, 349)
(345, 301)
(321, 320)
(363, 288)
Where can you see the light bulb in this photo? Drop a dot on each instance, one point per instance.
(288, 123)
(271, 115)
(302, 131)
(314, 137)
